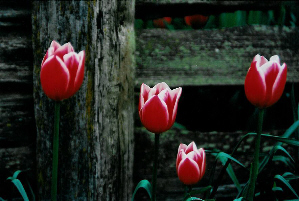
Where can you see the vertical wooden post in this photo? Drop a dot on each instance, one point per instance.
(96, 125)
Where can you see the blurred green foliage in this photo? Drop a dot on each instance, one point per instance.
(286, 15)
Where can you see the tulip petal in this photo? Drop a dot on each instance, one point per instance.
(182, 146)
(279, 84)
(188, 171)
(260, 60)
(188, 20)
(181, 155)
(154, 115)
(161, 86)
(143, 97)
(55, 45)
(158, 88)
(271, 70)
(255, 86)
(172, 104)
(65, 49)
(54, 78)
(275, 58)
(71, 60)
(191, 147)
(80, 72)
(202, 162)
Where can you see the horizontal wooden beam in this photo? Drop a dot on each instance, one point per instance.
(211, 57)
(150, 9)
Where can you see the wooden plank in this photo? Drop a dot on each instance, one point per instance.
(16, 58)
(211, 57)
(17, 123)
(178, 8)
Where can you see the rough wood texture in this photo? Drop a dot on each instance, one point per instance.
(16, 103)
(211, 57)
(17, 127)
(96, 129)
(180, 8)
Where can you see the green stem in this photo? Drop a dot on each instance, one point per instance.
(55, 151)
(188, 189)
(255, 164)
(157, 137)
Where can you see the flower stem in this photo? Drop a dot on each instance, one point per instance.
(255, 164)
(157, 138)
(55, 151)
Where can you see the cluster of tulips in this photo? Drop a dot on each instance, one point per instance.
(62, 73)
(196, 21)
(264, 85)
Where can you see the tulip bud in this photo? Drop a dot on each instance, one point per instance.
(265, 81)
(196, 21)
(161, 22)
(158, 106)
(190, 163)
(62, 71)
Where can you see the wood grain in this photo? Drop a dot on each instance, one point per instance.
(211, 57)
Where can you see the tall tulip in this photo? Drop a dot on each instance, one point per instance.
(190, 163)
(158, 106)
(264, 85)
(157, 111)
(265, 81)
(62, 71)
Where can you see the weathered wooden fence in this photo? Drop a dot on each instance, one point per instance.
(193, 58)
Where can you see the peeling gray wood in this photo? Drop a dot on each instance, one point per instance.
(211, 57)
(96, 140)
(17, 127)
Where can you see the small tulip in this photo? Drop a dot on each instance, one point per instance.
(158, 106)
(265, 81)
(62, 71)
(196, 21)
(190, 163)
(161, 22)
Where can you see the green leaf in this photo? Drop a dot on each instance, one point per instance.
(271, 154)
(143, 184)
(275, 189)
(20, 188)
(239, 199)
(201, 190)
(291, 129)
(290, 176)
(193, 198)
(283, 180)
(285, 160)
(282, 139)
(16, 174)
(223, 158)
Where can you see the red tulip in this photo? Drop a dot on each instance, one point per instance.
(161, 22)
(196, 21)
(190, 163)
(158, 106)
(265, 81)
(62, 71)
